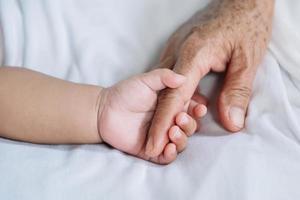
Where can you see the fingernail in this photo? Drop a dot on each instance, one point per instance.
(184, 120)
(177, 133)
(203, 109)
(237, 116)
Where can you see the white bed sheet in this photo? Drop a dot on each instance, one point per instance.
(101, 42)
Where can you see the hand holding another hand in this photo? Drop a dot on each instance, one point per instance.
(126, 111)
(229, 35)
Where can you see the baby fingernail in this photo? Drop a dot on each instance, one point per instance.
(203, 110)
(177, 133)
(237, 116)
(184, 119)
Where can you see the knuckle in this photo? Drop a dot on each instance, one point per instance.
(240, 92)
(170, 95)
(167, 62)
(209, 52)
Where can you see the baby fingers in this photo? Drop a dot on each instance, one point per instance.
(186, 123)
(178, 137)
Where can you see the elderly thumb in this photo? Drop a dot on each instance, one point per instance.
(236, 92)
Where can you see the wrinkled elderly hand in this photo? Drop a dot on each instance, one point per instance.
(229, 35)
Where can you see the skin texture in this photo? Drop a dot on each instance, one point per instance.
(228, 36)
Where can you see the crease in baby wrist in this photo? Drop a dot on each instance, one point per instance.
(100, 104)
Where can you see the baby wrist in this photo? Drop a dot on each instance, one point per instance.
(101, 102)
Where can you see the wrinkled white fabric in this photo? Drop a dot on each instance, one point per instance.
(101, 42)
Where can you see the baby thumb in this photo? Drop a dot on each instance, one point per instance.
(162, 78)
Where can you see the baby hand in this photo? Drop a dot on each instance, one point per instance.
(126, 112)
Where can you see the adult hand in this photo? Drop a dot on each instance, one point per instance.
(229, 35)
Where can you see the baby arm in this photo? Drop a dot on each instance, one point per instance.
(38, 108)
(41, 109)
